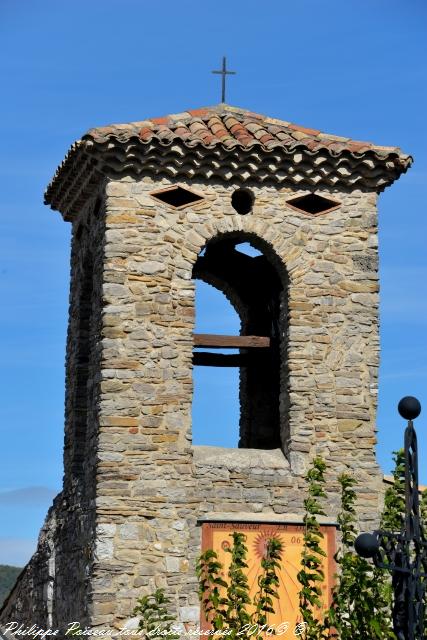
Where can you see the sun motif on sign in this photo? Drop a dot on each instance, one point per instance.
(291, 537)
(261, 541)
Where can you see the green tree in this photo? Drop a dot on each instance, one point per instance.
(8, 577)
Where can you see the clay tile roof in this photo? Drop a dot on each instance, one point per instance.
(210, 126)
(232, 132)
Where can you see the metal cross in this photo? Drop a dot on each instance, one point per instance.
(224, 73)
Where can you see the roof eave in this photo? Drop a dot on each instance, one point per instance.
(89, 159)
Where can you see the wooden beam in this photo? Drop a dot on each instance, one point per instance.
(206, 359)
(237, 342)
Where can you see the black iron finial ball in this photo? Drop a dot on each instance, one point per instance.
(409, 408)
(367, 545)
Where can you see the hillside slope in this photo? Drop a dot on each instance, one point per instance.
(8, 577)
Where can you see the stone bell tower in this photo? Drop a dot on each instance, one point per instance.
(154, 205)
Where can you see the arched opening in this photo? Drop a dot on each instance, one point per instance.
(215, 410)
(246, 270)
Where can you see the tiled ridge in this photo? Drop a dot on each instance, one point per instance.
(230, 127)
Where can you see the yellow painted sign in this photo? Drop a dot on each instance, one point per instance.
(216, 536)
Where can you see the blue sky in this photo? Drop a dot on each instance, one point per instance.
(354, 68)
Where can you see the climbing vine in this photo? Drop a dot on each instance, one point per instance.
(231, 611)
(361, 599)
(311, 576)
(392, 518)
(155, 620)
(361, 596)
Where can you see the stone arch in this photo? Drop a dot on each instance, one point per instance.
(257, 287)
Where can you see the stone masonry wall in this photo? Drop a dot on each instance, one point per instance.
(54, 588)
(135, 489)
(152, 486)
(76, 536)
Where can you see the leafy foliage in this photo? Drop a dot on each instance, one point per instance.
(423, 509)
(155, 620)
(312, 575)
(8, 576)
(361, 598)
(231, 610)
(238, 587)
(208, 570)
(268, 582)
(392, 518)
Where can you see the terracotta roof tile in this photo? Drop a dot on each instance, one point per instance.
(146, 133)
(358, 147)
(312, 132)
(218, 129)
(230, 126)
(204, 111)
(163, 120)
(266, 137)
(182, 132)
(310, 143)
(223, 132)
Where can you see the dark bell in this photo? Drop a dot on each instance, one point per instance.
(409, 408)
(366, 545)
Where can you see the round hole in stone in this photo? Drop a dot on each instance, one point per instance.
(242, 201)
